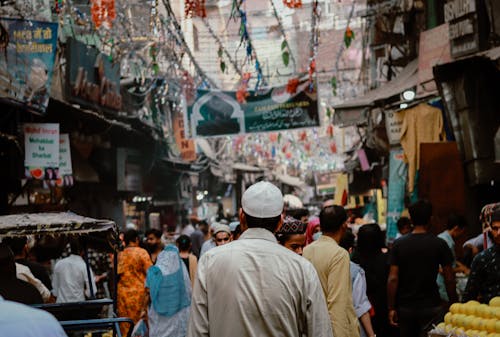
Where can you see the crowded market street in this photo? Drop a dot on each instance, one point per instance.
(250, 168)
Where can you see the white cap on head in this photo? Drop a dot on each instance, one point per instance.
(222, 228)
(262, 200)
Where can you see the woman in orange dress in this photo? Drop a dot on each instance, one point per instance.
(133, 263)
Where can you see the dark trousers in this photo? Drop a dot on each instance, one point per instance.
(416, 322)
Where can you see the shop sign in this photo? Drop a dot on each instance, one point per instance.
(398, 171)
(41, 148)
(393, 124)
(461, 15)
(27, 61)
(216, 113)
(186, 147)
(129, 170)
(434, 49)
(91, 79)
(65, 167)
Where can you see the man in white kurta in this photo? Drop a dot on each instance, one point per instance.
(254, 287)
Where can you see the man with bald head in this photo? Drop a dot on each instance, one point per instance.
(254, 287)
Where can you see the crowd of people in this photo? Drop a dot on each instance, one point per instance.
(273, 272)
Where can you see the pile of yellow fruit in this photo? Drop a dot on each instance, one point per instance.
(472, 319)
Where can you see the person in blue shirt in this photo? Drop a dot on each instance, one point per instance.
(23, 321)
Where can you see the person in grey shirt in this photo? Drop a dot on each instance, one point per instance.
(254, 287)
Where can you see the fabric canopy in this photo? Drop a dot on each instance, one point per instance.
(52, 223)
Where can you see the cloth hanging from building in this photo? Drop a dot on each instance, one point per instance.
(421, 124)
(341, 190)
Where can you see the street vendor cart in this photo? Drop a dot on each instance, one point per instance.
(101, 235)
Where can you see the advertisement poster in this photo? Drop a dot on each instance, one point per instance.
(27, 61)
(65, 167)
(398, 171)
(41, 147)
(216, 113)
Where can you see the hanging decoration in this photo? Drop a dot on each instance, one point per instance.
(292, 85)
(348, 37)
(333, 83)
(293, 3)
(313, 43)
(103, 13)
(245, 39)
(153, 52)
(329, 130)
(58, 6)
(222, 51)
(242, 93)
(154, 21)
(222, 64)
(286, 53)
(195, 8)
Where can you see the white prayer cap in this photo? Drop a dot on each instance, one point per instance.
(222, 228)
(262, 200)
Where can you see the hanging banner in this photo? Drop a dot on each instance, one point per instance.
(216, 113)
(28, 50)
(41, 147)
(398, 171)
(185, 146)
(65, 167)
(92, 80)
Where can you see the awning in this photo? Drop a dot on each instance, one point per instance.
(356, 111)
(52, 223)
(406, 79)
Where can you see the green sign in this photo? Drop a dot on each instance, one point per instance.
(216, 113)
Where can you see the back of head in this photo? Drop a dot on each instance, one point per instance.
(183, 242)
(156, 232)
(130, 236)
(347, 241)
(297, 213)
(75, 246)
(16, 244)
(262, 204)
(455, 220)
(331, 218)
(420, 212)
(7, 264)
(403, 222)
(203, 226)
(370, 239)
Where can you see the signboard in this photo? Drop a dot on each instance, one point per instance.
(216, 113)
(65, 167)
(434, 49)
(27, 61)
(129, 170)
(91, 79)
(41, 148)
(461, 15)
(185, 146)
(325, 182)
(393, 124)
(398, 171)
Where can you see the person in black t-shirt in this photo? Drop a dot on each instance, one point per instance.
(414, 265)
(11, 288)
(19, 246)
